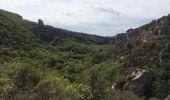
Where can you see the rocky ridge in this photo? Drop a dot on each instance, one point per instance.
(48, 33)
(135, 37)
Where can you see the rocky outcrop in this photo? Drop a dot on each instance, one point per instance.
(40, 22)
(135, 37)
(140, 82)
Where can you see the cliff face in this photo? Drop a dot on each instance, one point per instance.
(120, 40)
(135, 37)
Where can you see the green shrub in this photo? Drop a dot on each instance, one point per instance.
(118, 95)
(26, 78)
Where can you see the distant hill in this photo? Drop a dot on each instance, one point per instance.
(51, 32)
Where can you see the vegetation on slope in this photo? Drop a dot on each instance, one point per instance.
(46, 63)
(148, 56)
(60, 68)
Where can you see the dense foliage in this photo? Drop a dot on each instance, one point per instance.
(37, 62)
(35, 65)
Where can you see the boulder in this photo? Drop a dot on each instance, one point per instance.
(168, 97)
(140, 82)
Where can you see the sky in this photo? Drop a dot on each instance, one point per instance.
(99, 17)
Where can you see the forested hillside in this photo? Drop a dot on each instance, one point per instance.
(40, 62)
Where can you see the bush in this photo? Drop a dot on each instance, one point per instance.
(42, 91)
(26, 78)
(82, 92)
(118, 95)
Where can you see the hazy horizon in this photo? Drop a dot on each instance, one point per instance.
(99, 17)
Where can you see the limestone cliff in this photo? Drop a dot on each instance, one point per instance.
(135, 37)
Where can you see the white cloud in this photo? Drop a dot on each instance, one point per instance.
(102, 17)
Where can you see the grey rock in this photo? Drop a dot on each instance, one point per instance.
(145, 33)
(168, 97)
(140, 83)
